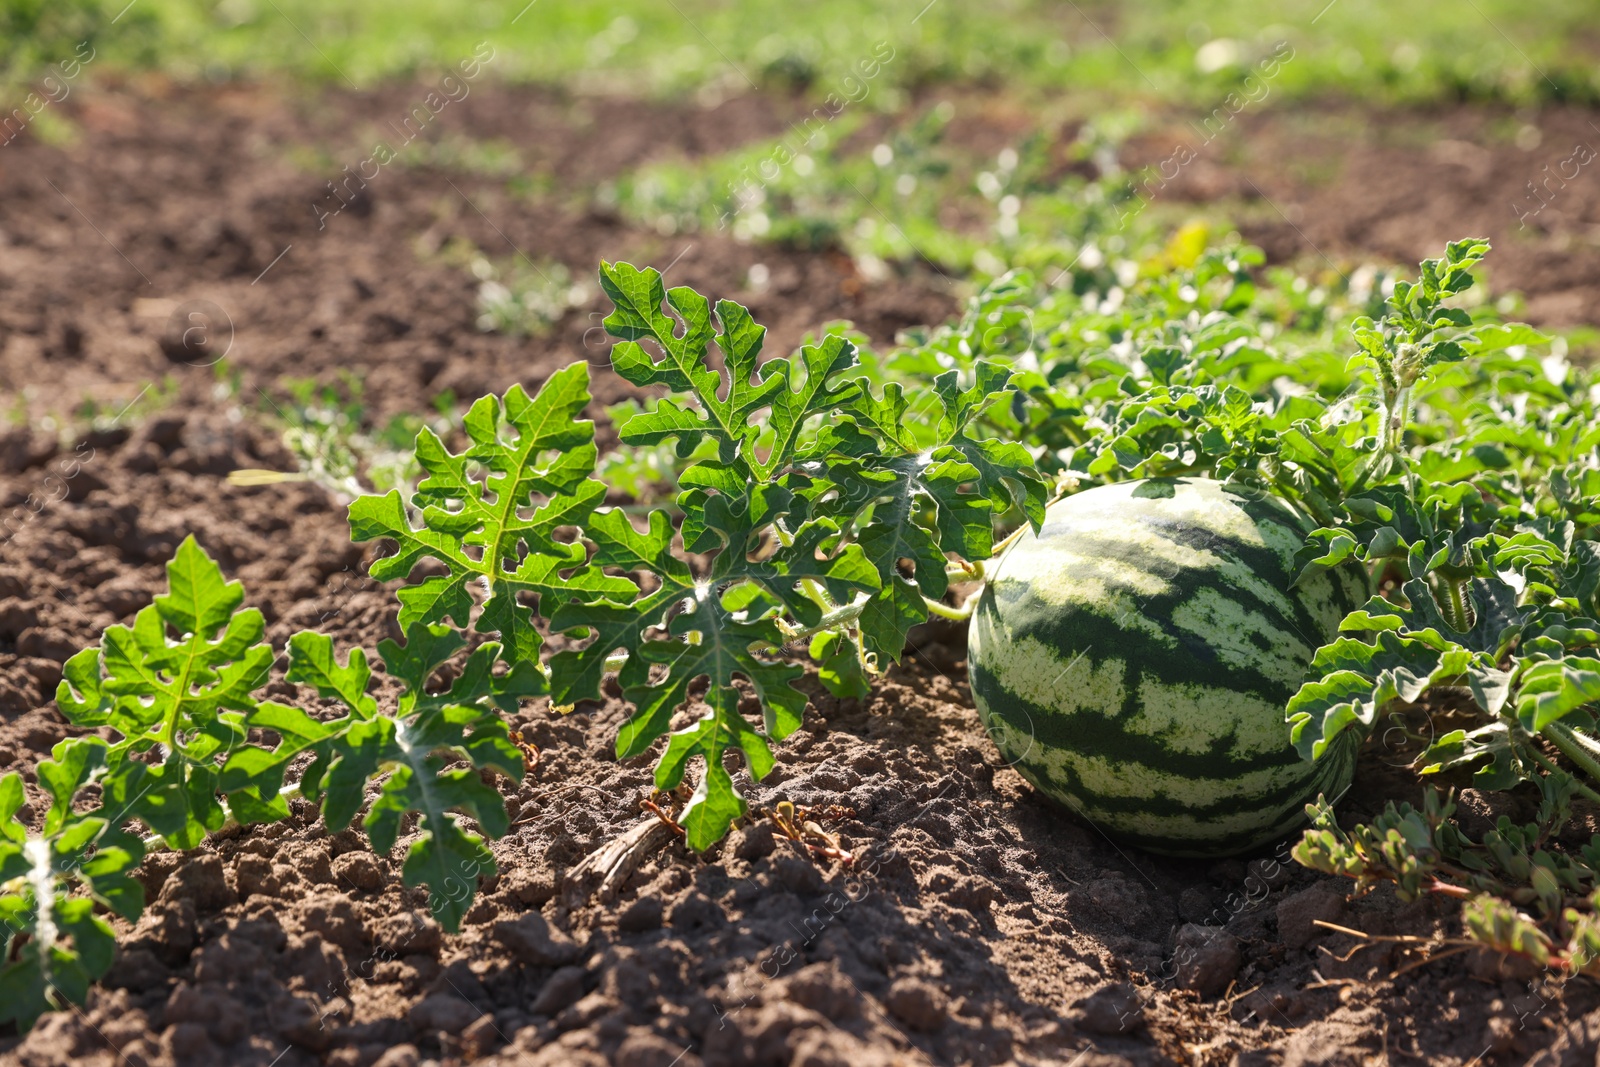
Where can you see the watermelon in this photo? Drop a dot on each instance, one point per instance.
(1134, 658)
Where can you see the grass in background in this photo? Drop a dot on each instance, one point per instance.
(1401, 50)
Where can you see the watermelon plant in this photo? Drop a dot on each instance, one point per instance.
(1449, 460)
(826, 511)
(788, 485)
(832, 520)
(1287, 547)
(174, 700)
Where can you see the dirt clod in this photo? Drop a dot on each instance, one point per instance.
(1298, 914)
(535, 942)
(561, 989)
(443, 1011)
(755, 842)
(170, 929)
(798, 874)
(398, 1056)
(406, 933)
(188, 1042)
(1344, 1039)
(360, 870)
(918, 1004)
(822, 988)
(1114, 1008)
(1206, 958)
(694, 911)
(643, 914)
(201, 879)
(645, 1049)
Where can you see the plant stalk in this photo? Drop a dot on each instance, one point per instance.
(841, 616)
(1457, 606)
(1395, 418)
(1545, 762)
(957, 614)
(1579, 748)
(1005, 543)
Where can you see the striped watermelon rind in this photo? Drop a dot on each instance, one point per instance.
(1133, 661)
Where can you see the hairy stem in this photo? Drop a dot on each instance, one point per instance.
(41, 877)
(1456, 604)
(841, 616)
(1544, 761)
(817, 594)
(1579, 748)
(1398, 404)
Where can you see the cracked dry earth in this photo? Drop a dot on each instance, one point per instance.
(978, 925)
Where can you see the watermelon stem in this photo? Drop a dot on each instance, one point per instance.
(1544, 761)
(1399, 403)
(1457, 607)
(832, 620)
(1580, 749)
(959, 614)
(1005, 542)
(963, 571)
(1284, 482)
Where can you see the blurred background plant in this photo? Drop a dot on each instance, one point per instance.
(1410, 50)
(325, 428)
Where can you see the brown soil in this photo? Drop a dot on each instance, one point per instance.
(978, 925)
(1348, 184)
(161, 204)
